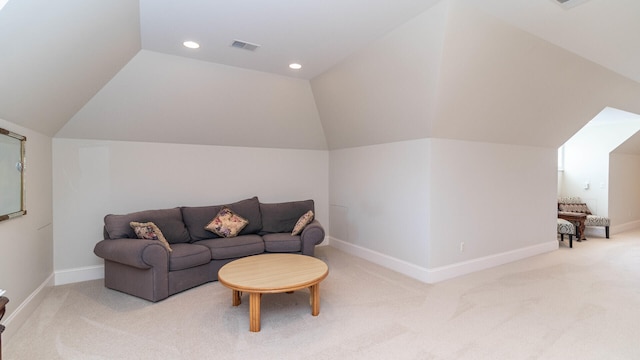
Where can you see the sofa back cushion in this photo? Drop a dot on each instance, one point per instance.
(197, 217)
(169, 221)
(282, 217)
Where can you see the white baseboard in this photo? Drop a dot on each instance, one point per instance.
(433, 275)
(401, 266)
(632, 225)
(85, 273)
(26, 308)
(466, 267)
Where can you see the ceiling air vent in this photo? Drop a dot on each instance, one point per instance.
(244, 45)
(567, 4)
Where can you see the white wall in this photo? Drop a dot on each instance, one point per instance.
(379, 201)
(92, 178)
(26, 242)
(624, 191)
(495, 198)
(408, 205)
(587, 160)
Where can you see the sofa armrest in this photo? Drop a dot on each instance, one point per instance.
(139, 253)
(312, 235)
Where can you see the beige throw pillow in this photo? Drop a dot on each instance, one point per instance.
(302, 222)
(227, 223)
(149, 231)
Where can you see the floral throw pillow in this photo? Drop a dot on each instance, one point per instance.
(149, 231)
(227, 223)
(302, 222)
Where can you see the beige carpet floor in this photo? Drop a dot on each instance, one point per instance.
(580, 303)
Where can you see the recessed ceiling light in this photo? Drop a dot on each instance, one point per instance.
(191, 44)
(295, 66)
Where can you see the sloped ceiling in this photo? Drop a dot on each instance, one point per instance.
(387, 91)
(166, 98)
(472, 77)
(606, 32)
(488, 70)
(632, 144)
(501, 84)
(55, 55)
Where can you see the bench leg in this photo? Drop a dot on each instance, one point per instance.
(570, 241)
(606, 231)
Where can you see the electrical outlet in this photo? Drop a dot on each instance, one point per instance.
(462, 246)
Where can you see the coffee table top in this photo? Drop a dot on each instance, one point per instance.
(273, 273)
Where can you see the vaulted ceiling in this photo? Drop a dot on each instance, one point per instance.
(56, 55)
(117, 70)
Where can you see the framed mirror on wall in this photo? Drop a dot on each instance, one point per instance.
(12, 164)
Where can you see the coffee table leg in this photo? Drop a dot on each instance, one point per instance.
(236, 298)
(315, 299)
(254, 311)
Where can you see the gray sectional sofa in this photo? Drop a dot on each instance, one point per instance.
(147, 269)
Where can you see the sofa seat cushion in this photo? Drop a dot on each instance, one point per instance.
(196, 218)
(185, 256)
(169, 221)
(594, 220)
(281, 242)
(229, 248)
(565, 227)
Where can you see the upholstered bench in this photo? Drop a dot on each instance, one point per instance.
(566, 228)
(594, 220)
(575, 204)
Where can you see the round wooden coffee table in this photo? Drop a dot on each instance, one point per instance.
(273, 273)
